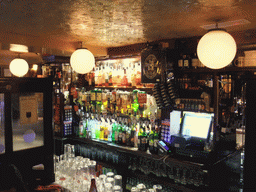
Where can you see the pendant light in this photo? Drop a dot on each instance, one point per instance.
(82, 61)
(216, 49)
(19, 67)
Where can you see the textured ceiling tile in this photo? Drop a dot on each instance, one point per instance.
(112, 23)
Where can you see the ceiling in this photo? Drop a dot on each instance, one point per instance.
(112, 23)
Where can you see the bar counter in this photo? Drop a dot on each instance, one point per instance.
(218, 170)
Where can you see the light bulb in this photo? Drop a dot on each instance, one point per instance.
(216, 49)
(82, 61)
(19, 67)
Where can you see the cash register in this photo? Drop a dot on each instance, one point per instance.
(194, 133)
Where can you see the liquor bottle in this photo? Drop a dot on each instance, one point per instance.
(103, 76)
(120, 132)
(195, 61)
(180, 61)
(93, 187)
(124, 132)
(124, 79)
(98, 101)
(144, 140)
(114, 133)
(186, 61)
(140, 133)
(96, 76)
(101, 125)
(110, 80)
(135, 104)
(128, 134)
(156, 138)
(108, 131)
(93, 100)
(81, 125)
(133, 135)
(75, 123)
(106, 74)
(133, 77)
(151, 140)
(85, 125)
(99, 77)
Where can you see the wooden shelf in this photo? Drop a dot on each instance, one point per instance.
(223, 70)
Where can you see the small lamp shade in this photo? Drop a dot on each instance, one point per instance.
(82, 61)
(19, 67)
(216, 49)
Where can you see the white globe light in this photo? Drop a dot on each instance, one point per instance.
(82, 61)
(19, 67)
(216, 49)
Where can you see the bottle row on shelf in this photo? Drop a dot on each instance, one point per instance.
(188, 61)
(142, 133)
(116, 73)
(105, 101)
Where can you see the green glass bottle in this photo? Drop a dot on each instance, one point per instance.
(98, 101)
(135, 104)
(128, 135)
(144, 140)
(114, 127)
(124, 129)
(120, 132)
(85, 126)
(93, 101)
(140, 136)
(156, 139)
(133, 134)
(151, 140)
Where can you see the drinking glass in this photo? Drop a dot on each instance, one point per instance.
(67, 150)
(85, 172)
(62, 157)
(177, 175)
(101, 183)
(86, 185)
(134, 189)
(78, 179)
(72, 151)
(157, 188)
(92, 169)
(118, 180)
(117, 188)
(196, 180)
(157, 169)
(56, 160)
(110, 180)
(110, 174)
(170, 172)
(108, 187)
(134, 164)
(86, 161)
(184, 177)
(140, 187)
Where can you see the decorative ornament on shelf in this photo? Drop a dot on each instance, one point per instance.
(19, 67)
(82, 61)
(216, 49)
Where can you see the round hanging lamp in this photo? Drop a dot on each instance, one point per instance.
(216, 49)
(19, 67)
(82, 61)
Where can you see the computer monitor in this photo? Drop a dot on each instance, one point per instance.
(196, 125)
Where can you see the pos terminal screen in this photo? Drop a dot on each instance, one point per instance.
(196, 124)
